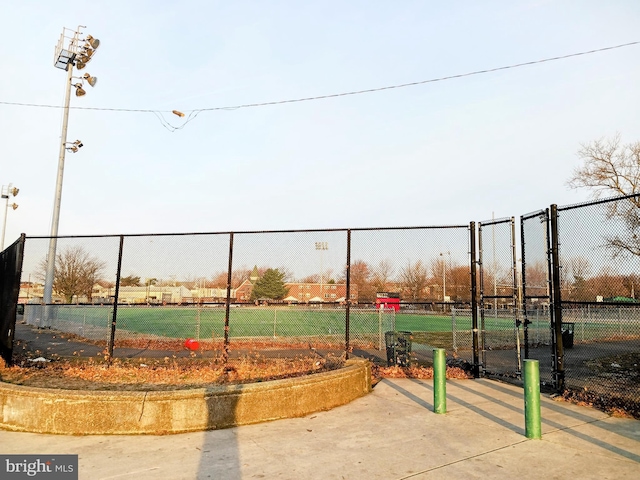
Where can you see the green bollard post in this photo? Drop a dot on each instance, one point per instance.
(439, 381)
(532, 421)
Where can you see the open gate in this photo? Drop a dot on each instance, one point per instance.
(500, 319)
(537, 301)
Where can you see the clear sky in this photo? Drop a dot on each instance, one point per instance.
(448, 152)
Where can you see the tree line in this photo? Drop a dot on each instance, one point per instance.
(77, 272)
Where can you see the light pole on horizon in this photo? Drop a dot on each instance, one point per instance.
(71, 51)
(7, 191)
(322, 246)
(444, 275)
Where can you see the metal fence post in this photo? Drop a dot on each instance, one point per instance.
(556, 319)
(228, 301)
(348, 299)
(112, 337)
(453, 330)
(522, 305)
(474, 303)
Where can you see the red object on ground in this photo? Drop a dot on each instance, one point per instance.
(191, 344)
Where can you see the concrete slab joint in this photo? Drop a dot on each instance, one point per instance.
(74, 412)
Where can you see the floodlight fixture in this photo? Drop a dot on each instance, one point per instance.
(73, 146)
(8, 191)
(90, 80)
(79, 90)
(87, 52)
(67, 49)
(178, 113)
(71, 50)
(64, 59)
(94, 42)
(5, 194)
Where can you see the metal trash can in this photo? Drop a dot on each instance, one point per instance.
(567, 334)
(398, 348)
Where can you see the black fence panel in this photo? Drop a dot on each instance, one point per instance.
(536, 292)
(86, 274)
(501, 335)
(336, 290)
(306, 271)
(172, 289)
(10, 269)
(429, 267)
(599, 257)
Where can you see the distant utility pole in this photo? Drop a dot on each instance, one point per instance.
(321, 246)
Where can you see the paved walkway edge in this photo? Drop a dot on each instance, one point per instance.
(72, 412)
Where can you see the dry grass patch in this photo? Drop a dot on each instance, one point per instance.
(416, 371)
(160, 374)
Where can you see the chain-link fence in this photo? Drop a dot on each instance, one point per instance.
(536, 293)
(10, 267)
(576, 309)
(599, 259)
(500, 322)
(319, 289)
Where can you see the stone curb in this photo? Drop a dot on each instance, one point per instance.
(73, 412)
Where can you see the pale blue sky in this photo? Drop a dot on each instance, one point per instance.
(441, 153)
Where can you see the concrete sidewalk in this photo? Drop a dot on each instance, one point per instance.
(391, 433)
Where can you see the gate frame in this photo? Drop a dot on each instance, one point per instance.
(514, 286)
(11, 265)
(551, 246)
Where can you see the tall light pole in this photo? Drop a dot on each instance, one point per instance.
(444, 275)
(71, 51)
(321, 246)
(7, 191)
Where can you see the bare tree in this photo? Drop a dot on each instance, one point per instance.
(288, 275)
(460, 283)
(580, 269)
(607, 283)
(219, 280)
(361, 280)
(76, 272)
(414, 280)
(381, 277)
(239, 276)
(537, 278)
(608, 167)
(313, 278)
(440, 275)
(614, 168)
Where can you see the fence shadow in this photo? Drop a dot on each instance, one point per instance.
(569, 429)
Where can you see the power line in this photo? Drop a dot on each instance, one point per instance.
(333, 95)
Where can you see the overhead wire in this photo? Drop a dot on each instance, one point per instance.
(421, 82)
(195, 112)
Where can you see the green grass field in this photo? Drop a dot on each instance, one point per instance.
(269, 322)
(183, 322)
